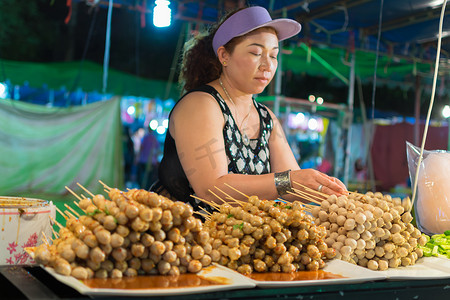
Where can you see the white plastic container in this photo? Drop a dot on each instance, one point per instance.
(22, 223)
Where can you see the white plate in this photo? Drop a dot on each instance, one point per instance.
(350, 272)
(425, 268)
(232, 280)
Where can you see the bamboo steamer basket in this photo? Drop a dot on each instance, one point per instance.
(23, 223)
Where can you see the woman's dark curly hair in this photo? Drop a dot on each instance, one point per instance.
(200, 64)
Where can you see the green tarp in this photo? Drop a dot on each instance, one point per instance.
(44, 149)
(314, 61)
(88, 76)
(323, 61)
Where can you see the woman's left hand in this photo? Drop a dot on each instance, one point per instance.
(318, 181)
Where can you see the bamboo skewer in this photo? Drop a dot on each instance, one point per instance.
(46, 238)
(105, 185)
(207, 202)
(72, 210)
(85, 189)
(216, 196)
(309, 205)
(311, 190)
(207, 212)
(234, 200)
(202, 215)
(61, 213)
(56, 222)
(308, 209)
(73, 193)
(308, 196)
(229, 197)
(303, 197)
(70, 215)
(236, 190)
(55, 233)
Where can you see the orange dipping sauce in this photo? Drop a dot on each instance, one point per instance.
(295, 276)
(154, 282)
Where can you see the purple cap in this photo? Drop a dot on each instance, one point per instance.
(249, 19)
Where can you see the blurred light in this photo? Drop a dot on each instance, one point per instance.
(3, 90)
(297, 120)
(311, 98)
(162, 13)
(92, 2)
(165, 123)
(161, 130)
(433, 3)
(153, 124)
(446, 111)
(319, 100)
(312, 124)
(300, 118)
(131, 110)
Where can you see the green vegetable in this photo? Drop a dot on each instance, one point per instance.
(437, 245)
(96, 211)
(238, 226)
(230, 216)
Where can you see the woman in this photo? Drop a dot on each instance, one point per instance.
(218, 134)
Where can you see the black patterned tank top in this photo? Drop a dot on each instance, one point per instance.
(252, 158)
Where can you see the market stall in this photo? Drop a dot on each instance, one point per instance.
(121, 245)
(109, 241)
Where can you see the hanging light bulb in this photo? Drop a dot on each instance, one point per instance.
(162, 14)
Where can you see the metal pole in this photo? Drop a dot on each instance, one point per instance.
(351, 96)
(278, 79)
(178, 50)
(107, 48)
(418, 92)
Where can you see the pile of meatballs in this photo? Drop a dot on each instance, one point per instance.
(371, 230)
(267, 236)
(139, 232)
(135, 232)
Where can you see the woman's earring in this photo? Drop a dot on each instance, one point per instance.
(224, 63)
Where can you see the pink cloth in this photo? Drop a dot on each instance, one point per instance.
(325, 166)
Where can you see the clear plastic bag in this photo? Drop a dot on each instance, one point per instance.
(432, 201)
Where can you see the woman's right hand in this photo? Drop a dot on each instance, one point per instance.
(313, 179)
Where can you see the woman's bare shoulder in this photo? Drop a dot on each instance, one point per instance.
(197, 111)
(196, 104)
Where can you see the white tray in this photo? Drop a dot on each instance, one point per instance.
(350, 272)
(425, 268)
(231, 280)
